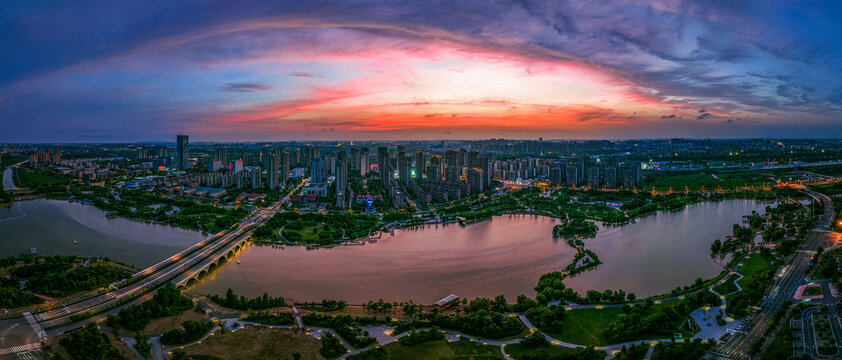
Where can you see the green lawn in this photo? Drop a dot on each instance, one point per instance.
(726, 288)
(585, 326)
(517, 352)
(813, 290)
(436, 350)
(752, 265)
(311, 233)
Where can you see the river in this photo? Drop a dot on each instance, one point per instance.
(504, 255)
(51, 226)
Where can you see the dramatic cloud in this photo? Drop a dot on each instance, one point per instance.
(371, 69)
(245, 87)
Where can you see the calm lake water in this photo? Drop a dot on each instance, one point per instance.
(504, 255)
(51, 226)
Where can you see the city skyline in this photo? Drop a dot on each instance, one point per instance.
(100, 72)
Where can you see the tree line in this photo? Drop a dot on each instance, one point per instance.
(89, 343)
(167, 302)
(232, 301)
(345, 325)
(190, 331)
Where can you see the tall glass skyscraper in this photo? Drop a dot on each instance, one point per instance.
(182, 147)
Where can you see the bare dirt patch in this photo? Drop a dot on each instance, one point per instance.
(157, 326)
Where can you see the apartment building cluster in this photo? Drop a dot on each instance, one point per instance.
(605, 172)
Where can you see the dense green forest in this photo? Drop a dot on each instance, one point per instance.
(167, 302)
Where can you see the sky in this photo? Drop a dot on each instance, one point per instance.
(125, 71)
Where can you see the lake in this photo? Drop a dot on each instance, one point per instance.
(504, 255)
(51, 226)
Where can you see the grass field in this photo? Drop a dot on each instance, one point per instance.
(726, 288)
(311, 233)
(813, 290)
(439, 350)
(585, 326)
(257, 342)
(752, 265)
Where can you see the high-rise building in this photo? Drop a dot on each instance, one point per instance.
(383, 165)
(221, 155)
(317, 171)
(142, 154)
(476, 179)
(236, 166)
(594, 177)
(404, 167)
(420, 164)
(572, 176)
(484, 163)
(250, 158)
(285, 167)
(182, 152)
(610, 177)
(355, 159)
(341, 179)
(53, 156)
(293, 158)
(434, 170)
(341, 171)
(160, 152)
(451, 174)
(473, 159)
(631, 174)
(451, 158)
(215, 166)
(256, 179)
(558, 174)
(271, 170)
(364, 162)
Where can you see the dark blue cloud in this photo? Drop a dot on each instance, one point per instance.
(775, 59)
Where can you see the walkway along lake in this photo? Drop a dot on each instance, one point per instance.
(51, 226)
(504, 255)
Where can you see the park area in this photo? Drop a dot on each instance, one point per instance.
(588, 326)
(679, 181)
(316, 228)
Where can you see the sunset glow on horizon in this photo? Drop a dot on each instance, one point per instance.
(401, 70)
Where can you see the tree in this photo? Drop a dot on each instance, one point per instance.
(715, 247)
(90, 343)
(547, 318)
(143, 346)
(331, 347)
